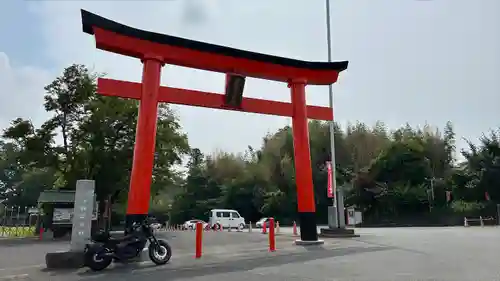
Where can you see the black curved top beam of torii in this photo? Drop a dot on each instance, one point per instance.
(134, 42)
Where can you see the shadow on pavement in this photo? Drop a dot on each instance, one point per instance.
(370, 242)
(134, 271)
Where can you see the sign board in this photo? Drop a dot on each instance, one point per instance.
(65, 215)
(82, 214)
(330, 187)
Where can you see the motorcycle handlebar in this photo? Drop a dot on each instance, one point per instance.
(144, 222)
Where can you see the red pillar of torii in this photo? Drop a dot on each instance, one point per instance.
(155, 50)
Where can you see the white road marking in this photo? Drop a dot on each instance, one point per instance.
(22, 267)
(14, 277)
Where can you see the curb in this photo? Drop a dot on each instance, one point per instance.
(11, 241)
(28, 240)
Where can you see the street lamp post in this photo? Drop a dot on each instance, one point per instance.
(336, 210)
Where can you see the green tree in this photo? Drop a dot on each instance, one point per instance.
(388, 174)
(97, 136)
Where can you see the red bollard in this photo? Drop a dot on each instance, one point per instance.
(40, 236)
(272, 238)
(264, 229)
(199, 235)
(294, 229)
(216, 227)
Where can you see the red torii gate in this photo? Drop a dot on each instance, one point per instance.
(155, 50)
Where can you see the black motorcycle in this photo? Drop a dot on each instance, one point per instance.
(105, 249)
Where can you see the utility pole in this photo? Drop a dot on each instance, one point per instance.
(332, 123)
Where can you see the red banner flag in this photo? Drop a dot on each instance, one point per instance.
(330, 192)
(487, 196)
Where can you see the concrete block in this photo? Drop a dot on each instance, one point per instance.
(64, 260)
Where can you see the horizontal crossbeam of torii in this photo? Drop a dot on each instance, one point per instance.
(156, 50)
(132, 90)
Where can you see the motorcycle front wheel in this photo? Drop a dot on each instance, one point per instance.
(96, 261)
(160, 253)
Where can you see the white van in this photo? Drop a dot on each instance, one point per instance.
(226, 218)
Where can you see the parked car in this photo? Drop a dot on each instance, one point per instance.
(156, 225)
(226, 218)
(191, 224)
(261, 222)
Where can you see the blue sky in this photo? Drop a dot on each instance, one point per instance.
(19, 33)
(410, 61)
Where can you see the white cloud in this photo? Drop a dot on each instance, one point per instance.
(21, 92)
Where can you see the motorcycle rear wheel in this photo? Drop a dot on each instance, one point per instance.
(95, 261)
(160, 254)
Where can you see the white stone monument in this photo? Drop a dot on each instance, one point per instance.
(82, 214)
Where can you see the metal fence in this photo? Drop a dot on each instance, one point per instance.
(18, 222)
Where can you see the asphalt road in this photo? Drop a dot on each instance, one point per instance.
(456, 254)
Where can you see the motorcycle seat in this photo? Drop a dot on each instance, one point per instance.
(119, 238)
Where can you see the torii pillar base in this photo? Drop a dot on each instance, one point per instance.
(299, 242)
(337, 233)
